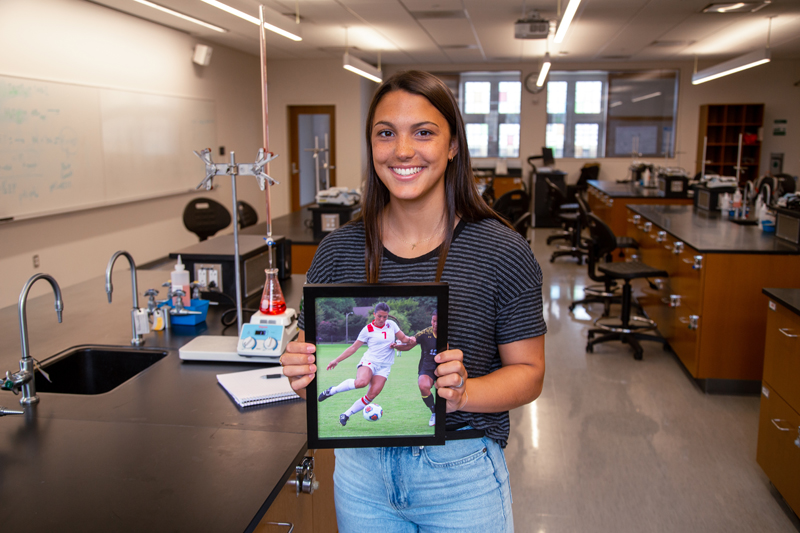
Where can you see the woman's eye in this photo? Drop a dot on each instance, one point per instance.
(424, 133)
(384, 133)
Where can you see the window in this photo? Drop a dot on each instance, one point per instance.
(490, 103)
(611, 114)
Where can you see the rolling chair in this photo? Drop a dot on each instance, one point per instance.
(602, 243)
(247, 215)
(570, 219)
(205, 217)
(627, 328)
(515, 207)
(589, 171)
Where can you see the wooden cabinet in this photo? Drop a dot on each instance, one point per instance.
(779, 419)
(722, 124)
(613, 209)
(709, 307)
(314, 513)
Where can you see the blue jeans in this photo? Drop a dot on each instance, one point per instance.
(462, 486)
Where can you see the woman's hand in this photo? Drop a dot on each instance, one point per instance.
(452, 382)
(332, 365)
(298, 364)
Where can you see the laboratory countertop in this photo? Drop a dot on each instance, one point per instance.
(167, 450)
(624, 190)
(709, 232)
(295, 226)
(789, 298)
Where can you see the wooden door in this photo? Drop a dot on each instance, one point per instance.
(312, 131)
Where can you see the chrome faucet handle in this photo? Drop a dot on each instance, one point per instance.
(151, 300)
(4, 412)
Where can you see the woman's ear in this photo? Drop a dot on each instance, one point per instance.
(451, 154)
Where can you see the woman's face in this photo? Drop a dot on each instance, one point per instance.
(411, 144)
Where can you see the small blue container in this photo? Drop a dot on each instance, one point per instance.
(191, 320)
(767, 226)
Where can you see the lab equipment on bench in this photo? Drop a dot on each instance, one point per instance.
(338, 196)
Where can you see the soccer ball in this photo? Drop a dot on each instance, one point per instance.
(373, 412)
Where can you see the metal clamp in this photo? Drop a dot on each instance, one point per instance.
(304, 480)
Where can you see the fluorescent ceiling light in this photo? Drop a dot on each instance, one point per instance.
(181, 16)
(736, 7)
(545, 69)
(738, 64)
(254, 20)
(566, 19)
(645, 97)
(362, 68)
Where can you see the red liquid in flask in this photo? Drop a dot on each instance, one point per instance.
(272, 302)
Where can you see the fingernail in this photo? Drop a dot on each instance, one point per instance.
(313, 368)
(311, 348)
(310, 358)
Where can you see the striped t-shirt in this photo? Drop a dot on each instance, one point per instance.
(495, 288)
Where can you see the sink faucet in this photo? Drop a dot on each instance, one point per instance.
(23, 380)
(137, 339)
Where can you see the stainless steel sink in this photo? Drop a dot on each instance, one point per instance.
(89, 369)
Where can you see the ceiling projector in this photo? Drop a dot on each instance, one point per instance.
(532, 27)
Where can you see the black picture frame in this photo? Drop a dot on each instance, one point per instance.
(409, 427)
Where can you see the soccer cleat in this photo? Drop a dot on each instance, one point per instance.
(432, 421)
(343, 419)
(324, 395)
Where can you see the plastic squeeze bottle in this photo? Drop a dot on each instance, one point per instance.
(180, 280)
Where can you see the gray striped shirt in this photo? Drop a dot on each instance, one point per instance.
(495, 287)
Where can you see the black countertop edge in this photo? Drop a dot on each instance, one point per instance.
(789, 298)
(630, 190)
(677, 221)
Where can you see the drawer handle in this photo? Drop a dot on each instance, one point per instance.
(289, 524)
(784, 331)
(775, 423)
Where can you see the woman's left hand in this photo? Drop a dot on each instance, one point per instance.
(452, 382)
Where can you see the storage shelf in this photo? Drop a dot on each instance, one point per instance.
(722, 124)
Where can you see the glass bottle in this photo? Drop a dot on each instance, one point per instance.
(272, 301)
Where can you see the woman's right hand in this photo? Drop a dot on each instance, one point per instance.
(298, 365)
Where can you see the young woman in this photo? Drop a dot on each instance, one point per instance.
(423, 220)
(380, 336)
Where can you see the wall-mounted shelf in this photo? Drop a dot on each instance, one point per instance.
(722, 124)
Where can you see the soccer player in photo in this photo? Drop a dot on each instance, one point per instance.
(380, 336)
(427, 366)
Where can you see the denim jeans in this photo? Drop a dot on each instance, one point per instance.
(462, 486)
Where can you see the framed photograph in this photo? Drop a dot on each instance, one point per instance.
(375, 368)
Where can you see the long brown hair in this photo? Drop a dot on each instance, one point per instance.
(461, 192)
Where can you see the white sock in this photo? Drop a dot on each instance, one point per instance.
(346, 385)
(358, 406)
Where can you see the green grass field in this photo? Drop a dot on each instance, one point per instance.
(404, 413)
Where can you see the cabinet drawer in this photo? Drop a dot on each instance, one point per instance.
(782, 353)
(685, 338)
(778, 451)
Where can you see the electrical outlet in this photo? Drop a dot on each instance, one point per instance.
(208, 275)
(36, 261)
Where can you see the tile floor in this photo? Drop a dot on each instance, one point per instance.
(618, 445)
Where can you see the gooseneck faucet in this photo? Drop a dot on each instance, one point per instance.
(136, 339)
(23, 380)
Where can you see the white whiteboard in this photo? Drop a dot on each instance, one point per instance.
(66, 147)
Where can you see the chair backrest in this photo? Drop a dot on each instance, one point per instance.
(555, 199)
(515, 206)
(247, 215)
(583, 209)
(603, 242)
(589, 171)
(205, 217)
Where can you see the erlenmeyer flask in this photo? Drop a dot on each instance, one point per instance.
(272, 302)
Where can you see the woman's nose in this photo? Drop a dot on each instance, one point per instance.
(404, 148)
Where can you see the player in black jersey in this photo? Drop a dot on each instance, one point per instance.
(426, 339)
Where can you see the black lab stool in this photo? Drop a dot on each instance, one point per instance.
(626, 328)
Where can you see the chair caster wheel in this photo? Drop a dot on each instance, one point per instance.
(589, 348)
(637, 356)
(571, 308)
(552, 259)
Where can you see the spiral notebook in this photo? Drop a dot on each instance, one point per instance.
(255, 387)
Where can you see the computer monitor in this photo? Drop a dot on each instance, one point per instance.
(547, 157)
